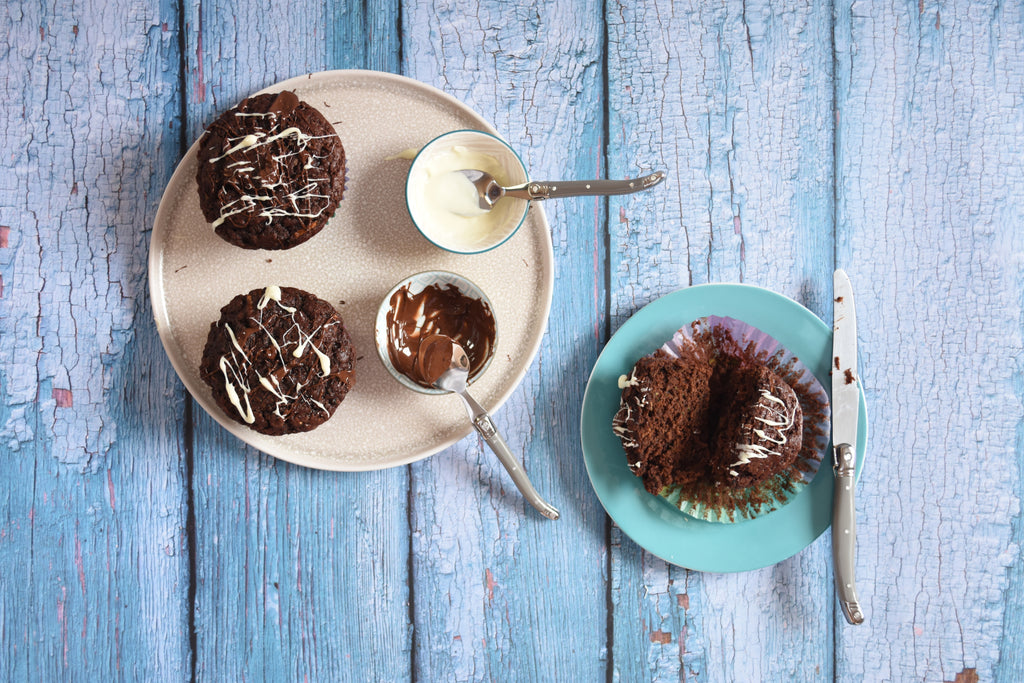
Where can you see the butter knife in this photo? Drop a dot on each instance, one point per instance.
(845, 406)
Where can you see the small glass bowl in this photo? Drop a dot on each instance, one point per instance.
(508, 170)
(416, 284)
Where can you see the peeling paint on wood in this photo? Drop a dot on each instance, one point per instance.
(661, 637)
(77, 278)
(928, 227)
(967, 675)
(534, 71)
(88, 402)
(884, 139)
(734, 99)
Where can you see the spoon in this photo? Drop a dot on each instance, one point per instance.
(489, 191)
(444, 363)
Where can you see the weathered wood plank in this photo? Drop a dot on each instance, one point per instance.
(929, 211)
(734, 100)
(93, 563)
(499, 592)
(300, 574)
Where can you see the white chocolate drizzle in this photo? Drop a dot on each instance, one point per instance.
(621, 421)
(232, 393)
(273, 293)
(309, 193)
(325, 362)
(249, 140)
(628, 381)
(778, 422)
(234, 340)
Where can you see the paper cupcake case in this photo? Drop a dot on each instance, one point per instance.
(713, 337)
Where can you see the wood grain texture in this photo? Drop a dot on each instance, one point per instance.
(913, 182)
(501, 593)
(301, 575)
(93, 563)
(929, 227)
(734, 101)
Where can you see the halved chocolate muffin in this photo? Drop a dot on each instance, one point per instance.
(664, 420)
(722, 421)
(682, 421)
(759, 428)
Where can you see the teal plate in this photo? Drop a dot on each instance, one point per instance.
(654, 523)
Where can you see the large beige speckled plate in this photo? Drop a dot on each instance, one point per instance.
(367, 247)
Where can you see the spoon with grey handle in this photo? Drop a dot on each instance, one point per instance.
(445, 364)
(489, 191)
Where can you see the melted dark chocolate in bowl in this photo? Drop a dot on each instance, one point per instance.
(437, 311)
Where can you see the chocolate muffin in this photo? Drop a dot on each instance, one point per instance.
(271, 172)
(722, 421)
(684, 421)
(279, 360)
(759, 428)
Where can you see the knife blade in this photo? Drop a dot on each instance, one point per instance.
(845, 406)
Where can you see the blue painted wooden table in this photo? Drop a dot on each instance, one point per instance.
(140, 541)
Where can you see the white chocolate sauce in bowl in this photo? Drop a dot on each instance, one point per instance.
(443, 202)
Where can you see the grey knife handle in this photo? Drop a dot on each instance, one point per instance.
(485, 427)
(583, 188)
(844, 534)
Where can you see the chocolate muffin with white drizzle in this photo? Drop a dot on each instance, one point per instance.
(665, 420)
(279, 360)
(722, 421)
(717, 420)
(271, 172)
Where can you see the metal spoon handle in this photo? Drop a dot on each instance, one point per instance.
(550, 189)
(485, 426)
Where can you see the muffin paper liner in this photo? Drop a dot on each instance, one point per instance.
(712, 337)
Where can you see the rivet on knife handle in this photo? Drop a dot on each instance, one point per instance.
(844, 533)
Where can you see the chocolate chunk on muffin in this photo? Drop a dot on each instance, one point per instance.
(271, 172)
(279, 360)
